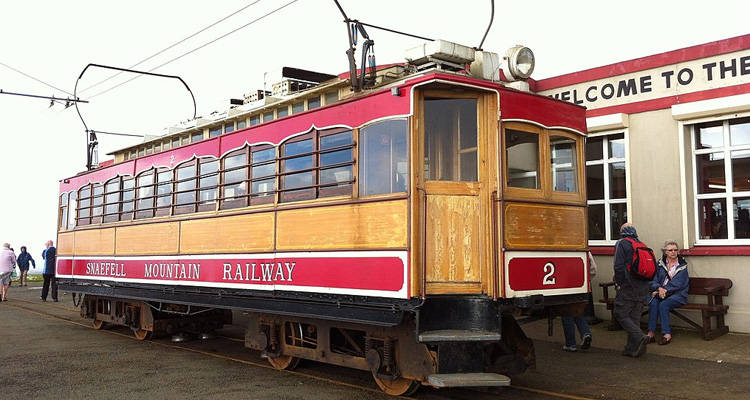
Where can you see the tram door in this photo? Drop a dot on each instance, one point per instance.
(452, 206)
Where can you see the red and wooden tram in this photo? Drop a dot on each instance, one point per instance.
(397, 228)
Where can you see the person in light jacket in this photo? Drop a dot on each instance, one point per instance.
(7, 263)
(669, 290)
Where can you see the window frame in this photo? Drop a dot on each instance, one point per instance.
(608, 201)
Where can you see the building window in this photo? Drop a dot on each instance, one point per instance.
(382, 166)
(721, 156)
(606, 186)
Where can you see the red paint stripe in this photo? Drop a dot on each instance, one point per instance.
(655, 61)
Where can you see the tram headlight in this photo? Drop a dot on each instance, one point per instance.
(518, 63)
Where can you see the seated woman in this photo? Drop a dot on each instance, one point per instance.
(669, 290)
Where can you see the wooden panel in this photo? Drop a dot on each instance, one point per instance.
(98, 242)
(362, 226)
(65, 244)
(240, 233)
(148, 239)
(538, 226)
(452, 239)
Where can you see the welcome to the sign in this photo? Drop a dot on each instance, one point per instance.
(692, 76)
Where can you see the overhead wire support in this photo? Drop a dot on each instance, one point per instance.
(68, 101)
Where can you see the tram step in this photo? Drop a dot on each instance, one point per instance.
(462, 380)
(450, 335)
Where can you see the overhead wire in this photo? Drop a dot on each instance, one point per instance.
(175, 44)
(31, 77)
(199, 47)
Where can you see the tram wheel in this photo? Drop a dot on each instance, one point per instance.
(142, 334)
(98, 324)
(284, 362)
(398, 386)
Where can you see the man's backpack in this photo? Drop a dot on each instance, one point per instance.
(643, 266)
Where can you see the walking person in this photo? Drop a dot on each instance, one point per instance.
(7, 264)
(570, 323)
(23, 261)
(50, 257)
(669, 290)
(631, 293)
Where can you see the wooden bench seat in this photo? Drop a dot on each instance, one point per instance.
(715, 289)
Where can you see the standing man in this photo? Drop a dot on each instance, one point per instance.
(632, 294)
(50, 257)
(7, 263)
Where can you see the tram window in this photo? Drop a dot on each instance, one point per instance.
(166, 144)
(112, 201)
(212, 132)
(564, 168)
(157, 147)
(196, 137)
(128, 196)
(255, 120)
(297, 170)
(84, 206)
(332, 97)
(185, 189)
(382, 161)
(186, 140)
(234, 181)
(268, 116)
(71, 210)
(263, 174)
(98, 204)
(63, 211)
(141, 152)
(133, 154)
(175, 142)
(522, 156)
(336, 159)
(163, 192)
(209, 185)
(229, 127)
(282, 112)
(149, 149)
(145, 203)
(241, 123)
(451, 139)
(298, 107)
(313, 103)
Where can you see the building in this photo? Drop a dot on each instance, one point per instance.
(669, 151)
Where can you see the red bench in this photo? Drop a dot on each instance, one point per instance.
(715, 289)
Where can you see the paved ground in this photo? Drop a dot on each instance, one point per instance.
(43, 357)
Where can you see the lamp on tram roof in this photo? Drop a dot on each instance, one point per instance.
(518, 63)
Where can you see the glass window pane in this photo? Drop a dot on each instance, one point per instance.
(195, 137)
(709, 135)
(522, 158)
(295, 148)
(332, 97)
(268, 116)
(741, 170)
(229, 127)
(263, 170)
(263, 188)
(595, 148)
(564, 168)
(214, 131)
(596, 222)
(293, 181)
(264, 155)
(185, 187)
(336, 175)
(617, 182)
(298, 164)
(618, 215)
(255, 120)
(209, 181)
(450, 125)
(712, 218)
(710, 170)
(382, 163)
(742, 218)
(282, 112)
(313, 103)
(298, 107)
(241, 124)
(617, 146)
(336, 140)
(595, 182)
(336, 157)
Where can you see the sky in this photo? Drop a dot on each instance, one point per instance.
(223, 49)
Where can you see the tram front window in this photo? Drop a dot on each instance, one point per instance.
(564, 168)
(451, 131)
(522, 158)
